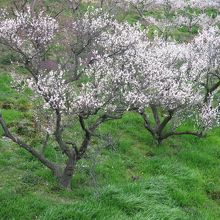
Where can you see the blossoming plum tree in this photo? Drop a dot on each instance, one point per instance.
(178, 81)
(70, 89)
(175, 87)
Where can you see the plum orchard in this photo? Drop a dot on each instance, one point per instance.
(103, 68)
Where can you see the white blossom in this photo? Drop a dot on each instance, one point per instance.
(27, 33)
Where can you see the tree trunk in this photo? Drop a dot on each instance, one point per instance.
(157, 136)
(66, 177)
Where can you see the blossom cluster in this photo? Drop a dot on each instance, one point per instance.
(27, 33)
(209, 116)
(51, 86)
(177, 4)
(203, 21)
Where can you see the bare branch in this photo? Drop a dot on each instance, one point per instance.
(54, 167)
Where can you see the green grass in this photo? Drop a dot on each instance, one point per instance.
(131, 178)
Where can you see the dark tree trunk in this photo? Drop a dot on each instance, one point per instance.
(66, 177)
(157, 129)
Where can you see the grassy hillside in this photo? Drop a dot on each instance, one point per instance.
(131, 178)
